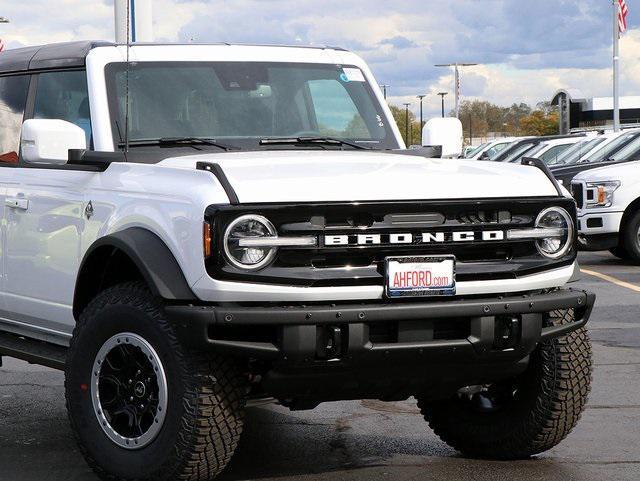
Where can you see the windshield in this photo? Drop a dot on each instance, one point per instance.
(575, 152)
(611, 148)
(536, 150)
(495, 149)
(628, 152)
(476, 150)
(241, 103)
(518, 152)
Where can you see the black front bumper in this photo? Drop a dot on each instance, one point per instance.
(454, 330)
(598, 242)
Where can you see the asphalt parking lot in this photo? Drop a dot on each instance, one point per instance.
(370, 440)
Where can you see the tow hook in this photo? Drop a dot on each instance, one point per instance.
(329, 342)
(507, 332)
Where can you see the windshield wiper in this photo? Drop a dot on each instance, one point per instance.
(178, 141)
(311, 141)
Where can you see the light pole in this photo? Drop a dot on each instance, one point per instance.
(384, 88)
(442, 95)
(133, 21)
(406, 124)
(456, 92)
(616, 65)
(420, 97)
(3, 20)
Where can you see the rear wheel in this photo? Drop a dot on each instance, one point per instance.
(526, 415)
(142, 407)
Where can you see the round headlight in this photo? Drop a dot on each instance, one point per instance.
(249, 227)
(560, 226)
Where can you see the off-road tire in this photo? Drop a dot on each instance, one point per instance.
(555, 388)
(629, 237)
(206, 395)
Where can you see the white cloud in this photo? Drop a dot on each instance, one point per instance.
(528, 49)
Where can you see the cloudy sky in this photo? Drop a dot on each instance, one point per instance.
(527, 48)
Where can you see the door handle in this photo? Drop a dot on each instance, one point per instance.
(17, 203)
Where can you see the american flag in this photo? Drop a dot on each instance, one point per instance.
(1, 45)
(623, 11)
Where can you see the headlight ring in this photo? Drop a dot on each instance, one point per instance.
(555, 247)
(248, 226)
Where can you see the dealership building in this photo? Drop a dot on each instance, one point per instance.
(578, 112)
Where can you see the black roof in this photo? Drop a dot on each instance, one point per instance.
(70, 54)
(55, 55)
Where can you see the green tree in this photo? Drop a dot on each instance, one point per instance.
(481, 117)
(539, 123)
(356, 128)
(415, 132)
(546, 107)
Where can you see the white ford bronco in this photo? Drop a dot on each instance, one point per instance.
(187, 229)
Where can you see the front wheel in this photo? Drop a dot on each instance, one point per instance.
(141, 406)
(630, 236)
(526, 415)
(620, 252)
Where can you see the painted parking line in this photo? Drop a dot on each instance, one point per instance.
(613, 280)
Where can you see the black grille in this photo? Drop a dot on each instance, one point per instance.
(383, 332)
(350, 265)
(418, 331)
(578, 194)
(483, 217)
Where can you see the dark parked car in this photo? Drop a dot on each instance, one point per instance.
(520, 148)
(623, 149)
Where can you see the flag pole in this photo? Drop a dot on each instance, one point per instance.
(616, 67)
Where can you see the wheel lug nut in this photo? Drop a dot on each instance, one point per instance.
(131, 398)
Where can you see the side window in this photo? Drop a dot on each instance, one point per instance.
(64, 96)
(13, 99)
(336, 113)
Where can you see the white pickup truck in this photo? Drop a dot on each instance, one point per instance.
(189, 228)
(608, 200)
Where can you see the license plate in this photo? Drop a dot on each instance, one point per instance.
(420, 276)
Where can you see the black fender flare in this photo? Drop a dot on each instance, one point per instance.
(151, 256)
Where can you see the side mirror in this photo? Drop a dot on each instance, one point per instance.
(484, 156)
(446, 132)
(48, 141)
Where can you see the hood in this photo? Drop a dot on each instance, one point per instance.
(569, 172)
(580, 167)
(334, 176)
(627, 171)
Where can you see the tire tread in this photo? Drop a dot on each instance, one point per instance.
(213, 403)
(565, 379)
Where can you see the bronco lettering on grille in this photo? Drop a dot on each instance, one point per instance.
(409, 238)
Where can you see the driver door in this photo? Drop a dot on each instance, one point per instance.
(45, 218)
(13, 100)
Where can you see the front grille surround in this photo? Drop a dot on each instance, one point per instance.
(577, 191)
(320, 265)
